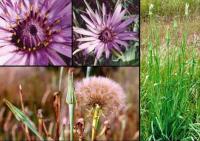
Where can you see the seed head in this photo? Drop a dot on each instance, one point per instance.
(105, 92)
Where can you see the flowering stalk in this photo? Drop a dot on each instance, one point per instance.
(71, 100)
(22, 106)
(95, 120)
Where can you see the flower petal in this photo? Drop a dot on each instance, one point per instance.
(15, 60)
(128, 36)
(124, 24)
(116, 12)
(123, 43)
(89, 22)
(87, 39)
(5, 58)
(100, 51)
(7, 49)
(41, 58)
(84, 32)
(62, 49)
(54, 58)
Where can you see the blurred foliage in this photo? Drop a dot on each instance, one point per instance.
(169, 8)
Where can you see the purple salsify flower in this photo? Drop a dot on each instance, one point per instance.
(105, 32)
(35, 32)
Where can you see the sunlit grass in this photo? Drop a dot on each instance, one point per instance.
(168, 8)
(170, 72)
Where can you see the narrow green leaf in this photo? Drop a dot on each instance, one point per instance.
(20, 116)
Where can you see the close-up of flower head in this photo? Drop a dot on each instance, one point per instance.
(107, 31)
(101, 91)
(35, 32)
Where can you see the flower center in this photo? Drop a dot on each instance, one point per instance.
(33, 33)
(106, 35)
(33, 30)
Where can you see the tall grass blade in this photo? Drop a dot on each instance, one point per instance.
(20, 116)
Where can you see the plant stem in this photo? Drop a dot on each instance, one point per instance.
(71, 120)
(60, 78)
(88, 71)
(23, 109)
(95, 61)
(71, 100)
(95, 121)
(57, 107)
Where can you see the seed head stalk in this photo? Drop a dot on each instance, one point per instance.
(95, 120)
(71, 100)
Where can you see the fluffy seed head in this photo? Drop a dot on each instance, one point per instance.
(105, 92)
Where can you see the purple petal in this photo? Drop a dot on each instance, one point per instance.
(116, 12)
(96, 30)
(100, 51)
(123, 43)
(91, 48)
(58, 8)
(5, 58)
(89, 10)
(88, 44)
(89, 22)
(54, 58)
(23, 60)
(118, 18)
(124, 24)
(128, 36)
(107, 51)
(7, 49)
(16, 60)
(32, 59)
(116, 46)
(104, 13)
(84, 32)
(98, 18)
(41, 58)
(87, 39)
(62, 49)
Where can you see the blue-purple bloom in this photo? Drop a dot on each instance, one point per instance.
(35, 32)
(105, 32)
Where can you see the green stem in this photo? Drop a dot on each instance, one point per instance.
(96, 116)
(88, 71)
(71, 120)
(60, 78)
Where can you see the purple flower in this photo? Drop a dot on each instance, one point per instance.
(35, 32)
(105, 32)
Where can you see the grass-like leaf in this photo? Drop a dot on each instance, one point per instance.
(20, 116)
